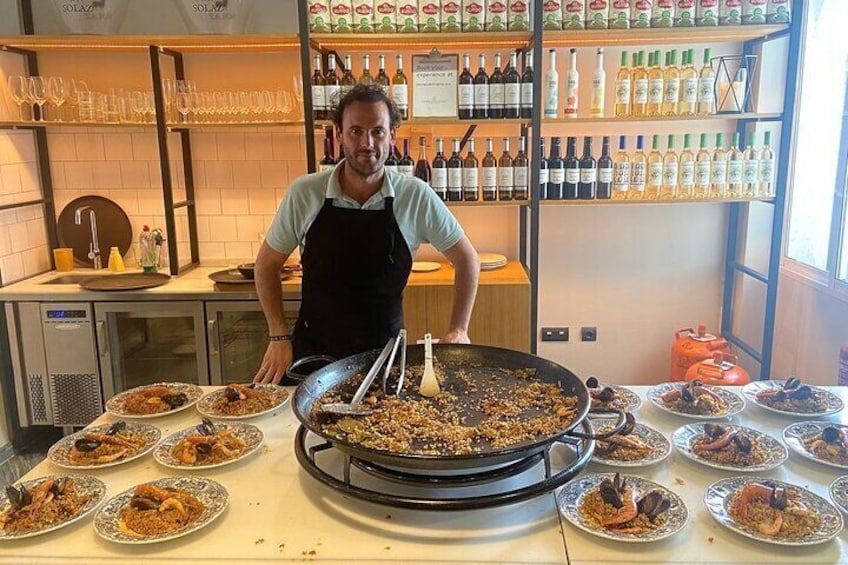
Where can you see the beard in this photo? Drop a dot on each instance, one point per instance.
(364, 162)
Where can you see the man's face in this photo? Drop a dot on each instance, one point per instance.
(366, 136)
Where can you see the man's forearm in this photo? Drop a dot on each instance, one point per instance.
(465, 291)
(267, 280)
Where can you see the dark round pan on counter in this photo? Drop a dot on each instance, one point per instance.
(477, 362)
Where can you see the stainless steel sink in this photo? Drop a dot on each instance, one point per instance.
(71, 279)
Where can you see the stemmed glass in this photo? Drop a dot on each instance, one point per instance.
(169, 92)
(74, 88)
(18, 91)
(183, 106)
(283, 103)
(38, 94)
(57, 93)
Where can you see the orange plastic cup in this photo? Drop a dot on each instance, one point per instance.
(64, 258)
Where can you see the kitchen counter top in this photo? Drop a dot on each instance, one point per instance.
(196, 284)
(278, 512)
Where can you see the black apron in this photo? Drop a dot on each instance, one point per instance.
(355, 267)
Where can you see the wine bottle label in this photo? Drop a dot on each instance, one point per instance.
(622, 91)
(621, 176)
(571, 100)
(706, 91)
(455, 179)
(344, 89)
(384, 88)
(572, 176)
(469, 178)
(655, 174)
(481, 96)
(505, 177)
(640, 91)
(605, 175)
(751, 171)
(466, 96)
(496, 95)
(543, 176)
(655, 91)
(767, 170)
(527, 94)
(670, 174)
(672, 91)
(331, 95)
(324, 167)
(551, 98)
(390, 168)
(439, 178)
(407, 170)
(734, 172)
(588, 175)
(690, 90)
(512, 95)
(718, 176)
(400, 96)
(490, 177)
(557, 176)
(318, 99)
(520, 177)
(702, 173)
(638, 176)
(687, 173)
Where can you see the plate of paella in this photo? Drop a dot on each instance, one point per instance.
(729, 447)
(237, 401)
(792, 398)
(622, 507)
(104, 446)
(838, 491)
(42, 505)
(153, 401)
(637, 445)
(605, 395)
(161, 510)
(823, 442)
(772, 511)
(695, 400)
(208, 445)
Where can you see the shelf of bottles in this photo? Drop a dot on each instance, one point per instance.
(139, 43)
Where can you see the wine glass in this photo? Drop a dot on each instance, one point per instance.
(243, 105)
(183, 106)
(74, 88)
(169, 91)
(298, 88)
(57, 93)
(18, 91)
(283, 102)
(38, 94)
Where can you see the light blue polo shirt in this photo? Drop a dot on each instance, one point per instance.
(419, 212)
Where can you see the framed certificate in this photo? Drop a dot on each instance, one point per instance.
(434, 83)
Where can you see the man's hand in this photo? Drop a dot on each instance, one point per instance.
(456, 336)
(277, 359)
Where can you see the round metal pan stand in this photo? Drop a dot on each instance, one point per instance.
(579, 452)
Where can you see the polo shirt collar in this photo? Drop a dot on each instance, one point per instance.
(334, 188)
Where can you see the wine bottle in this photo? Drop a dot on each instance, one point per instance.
(526, 110)
(481, 90)
(671, 170)
(735, 169)
(605, 166)
(332, 86)
(621, 171)
(455, 174)
(556, 168)
(572, 81)
(506, 179)
(570, 189)
(706, 86)
(599, 82)
(319, 103)
(439, 171)
(470, 187)
(655, 85)
(639, 79)
(718, 174)
(671, 84)
(552, 87)
(751, 168)
(422, 166)
(638, 170)
(512, 89)
(400, 89)
(655, 171)
(521, 172)
(347, 76)
(767, 168)
(327, 162)
(689, 84)
(382, 78)
(391, 163)
(686, 188)
(622, 89)
(466, 90)
(702, 169)
(496, 91)
(588, 172)
(365, 77)
(544, 175)
(490, 173)
(406, 166)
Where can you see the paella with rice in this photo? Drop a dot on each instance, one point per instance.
(107, 444)
(149, 401)
(209, 446)
(635, 445)
(793, 396)
(615, 505)
(696, 399)
(153, 511)
(729, 445)
(831, 444)
(50, 502)
(773, 510)
(240, 400)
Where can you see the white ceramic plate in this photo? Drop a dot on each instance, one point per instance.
(211, 494)
(646, 434)
(834, 403)
(570, 497)
(795, 434)
(60, 452)
(838, 490)
(425, 266)
(205, 404)
(632, 402)
(685, 436)
(115, 405)
(735, 404)
(83, 483)
(718, 495)
(251, 435)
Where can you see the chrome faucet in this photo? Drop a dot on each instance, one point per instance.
(94, 246)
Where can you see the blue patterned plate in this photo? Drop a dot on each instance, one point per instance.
(632, 402)
(60, 452)
(115, 405)
(685, 436)
(660, 448)
(570, 498)
(796, 434)
(734, 402)
(718, 495)
(251, 435)
(839, 493)
(206, 406)
(833, 402)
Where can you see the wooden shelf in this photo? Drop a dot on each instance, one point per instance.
(659, 36)
(419, 41)
(212, 125)
(486, 204)
(713, 117)
(444, 122)
(186, 43)
(51, 124)
(611, 202)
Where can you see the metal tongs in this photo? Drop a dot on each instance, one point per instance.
(356, 408)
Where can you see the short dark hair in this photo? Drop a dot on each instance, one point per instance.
(370, 94)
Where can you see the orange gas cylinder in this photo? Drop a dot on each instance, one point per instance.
(720, 370)
(691, 346)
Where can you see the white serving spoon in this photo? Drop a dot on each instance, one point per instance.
(429, 384)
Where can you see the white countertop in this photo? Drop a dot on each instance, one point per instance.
(278, 512)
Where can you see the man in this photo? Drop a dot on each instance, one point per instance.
(358, 227)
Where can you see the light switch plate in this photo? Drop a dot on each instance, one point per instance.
(555, 334)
